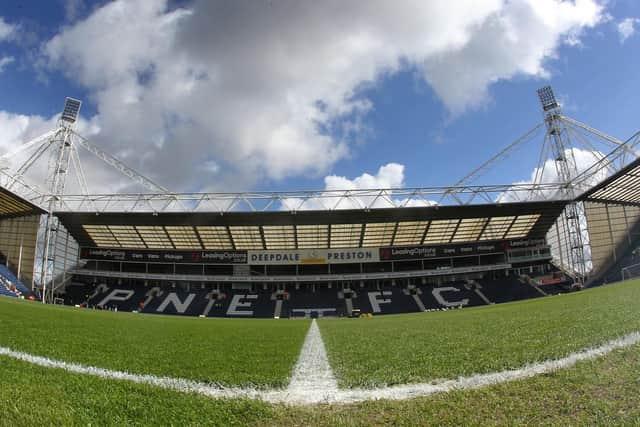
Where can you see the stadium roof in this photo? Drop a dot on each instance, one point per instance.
(12, 205)
(313, 229)
(622, 187)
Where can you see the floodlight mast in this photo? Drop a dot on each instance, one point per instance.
(60, 157)
(557, 138)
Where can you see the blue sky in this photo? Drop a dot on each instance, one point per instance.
(202, 96)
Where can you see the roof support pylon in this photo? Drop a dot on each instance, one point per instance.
(61, 154)
(557, 139)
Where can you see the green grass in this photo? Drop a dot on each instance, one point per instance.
(427, 346)
(35, 396)
(224, 351)
(604, 391)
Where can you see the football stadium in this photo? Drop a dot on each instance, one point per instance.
(448, 305)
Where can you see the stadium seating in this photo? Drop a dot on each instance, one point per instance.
(556, 288)
(318, 302)
(305, 301)
(387, 300)
(8, 289)
(7, 292)
(12, 279)
(508, 289)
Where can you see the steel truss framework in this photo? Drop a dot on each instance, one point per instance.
(463, 192)
(294, 201)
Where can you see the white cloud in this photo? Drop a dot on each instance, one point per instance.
(6, 30)
(18, 129)
(388, 177)
(517, 40)
(253, 86)
(627, 27)
(73, 8)
(4, 61)
(579, 160)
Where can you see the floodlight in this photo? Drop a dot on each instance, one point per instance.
(547, 98)
(71, 110)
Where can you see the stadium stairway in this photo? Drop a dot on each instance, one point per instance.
(109, 298)
(387, 300)
(529, 281)
(320, 302)
(507, 289)
(477, 288)
(278, 300)
(75, 294)
(514, 289)
(451, 295)
(282, 308)
(347, 295)
(415, 292)
(556, 288)
(217, 303)
(261, 305)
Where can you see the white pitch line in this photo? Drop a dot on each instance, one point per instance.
(407, 391)
(179, 384)
(327, 393)
(313, 380)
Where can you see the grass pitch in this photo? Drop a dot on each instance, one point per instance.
(600, 392)
(428, 346)
(241, 352)
(603, 391)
